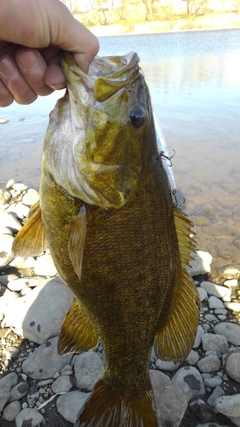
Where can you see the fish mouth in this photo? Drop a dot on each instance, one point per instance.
(106, 75)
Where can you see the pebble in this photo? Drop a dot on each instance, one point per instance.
(216, 290)
(6, 384)
(69, 405)
(215, 302)
(201, 263)
(18, 391)
(209, 364)
(62, 384)
(189, 380)
(214, 342)
(29, 417)
(31, 197)
(88, 369)
(232, 364)
(11, 411)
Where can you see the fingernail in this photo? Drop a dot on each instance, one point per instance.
(28, 61)
(7, 68)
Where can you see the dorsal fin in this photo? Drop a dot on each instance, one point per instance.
(31, 239)
(175, 339)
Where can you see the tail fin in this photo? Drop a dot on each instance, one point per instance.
(104, 410)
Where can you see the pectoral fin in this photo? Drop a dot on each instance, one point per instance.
(31, 239)
(175, 339)
(77, 333)
(76, 240)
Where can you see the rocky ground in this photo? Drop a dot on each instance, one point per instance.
(38, 387)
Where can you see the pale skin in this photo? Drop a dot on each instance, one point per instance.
(32, 32)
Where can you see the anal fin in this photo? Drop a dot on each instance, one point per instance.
(31, 239)
(103, 409)
(77, 333)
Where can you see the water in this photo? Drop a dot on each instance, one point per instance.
(194, 79)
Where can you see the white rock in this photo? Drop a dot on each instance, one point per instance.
(20, 210)
(44, 362)
(201, 263)
(88, 369)
(163, 365)
(69, 404)
(230, 331)
(38, 315)
(202, 294)
(233, 306)
(6, 254)
(10, 221)
(44, 266)
(31, 197)
(164, 394)
(216, 290)
(18, 186)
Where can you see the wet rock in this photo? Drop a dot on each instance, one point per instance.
(88, 369)
(190, 382)
(164, 394)
(44, 362)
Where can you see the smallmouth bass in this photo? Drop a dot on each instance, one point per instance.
(116, 237)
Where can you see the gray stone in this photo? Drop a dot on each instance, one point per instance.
(11, 411)
(44, 266)
(29, 417)
(6, 384)
(88, 369)
(232, 364)
(69, 404)
(190, 382)
(215, 302)
(6, 254)
(213, 382)
(214, 342)
(33, 396)
(230, 331)
(166, 365)
(44, 362)
(217, 392)
(61, 384)
(211, 318)
(228, 405)
(38, 315)
(19, 391)
(192, 358)
(216, 290)
(201, 263)
(164, 394)
(209, 364)
(202, 294)
(198, 338)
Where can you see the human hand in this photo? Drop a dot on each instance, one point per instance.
(32, 32)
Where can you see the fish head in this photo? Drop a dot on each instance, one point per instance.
(106, 114)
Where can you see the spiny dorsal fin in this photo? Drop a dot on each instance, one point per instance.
(77, 333)
(186, 243)
(174, 341)
(76, 240)
(31, 239)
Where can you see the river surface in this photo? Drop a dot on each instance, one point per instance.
(194, 80)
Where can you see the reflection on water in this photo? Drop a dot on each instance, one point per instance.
(194, 79)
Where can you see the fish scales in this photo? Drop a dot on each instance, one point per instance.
(118, 249)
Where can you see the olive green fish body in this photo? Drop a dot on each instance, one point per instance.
(115, 236)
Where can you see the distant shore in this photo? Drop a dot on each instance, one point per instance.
(208, 22)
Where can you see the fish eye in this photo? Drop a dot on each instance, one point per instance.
(137, 117)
